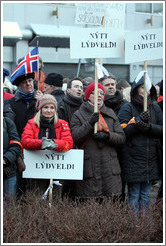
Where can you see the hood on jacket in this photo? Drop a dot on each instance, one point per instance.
(153, 92)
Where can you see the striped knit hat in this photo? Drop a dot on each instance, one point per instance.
(47, 98)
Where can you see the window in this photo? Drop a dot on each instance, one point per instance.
(152, 8)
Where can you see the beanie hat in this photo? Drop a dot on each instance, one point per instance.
(47, 98)
(91, 88)
(54, 79)
(23, 77)
(5, 73)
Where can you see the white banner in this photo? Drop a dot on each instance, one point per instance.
(93, 14)
(49, 164)
(89, 15)
(144, 45)
(96, 43)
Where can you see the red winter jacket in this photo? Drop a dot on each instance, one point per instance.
(29, 138)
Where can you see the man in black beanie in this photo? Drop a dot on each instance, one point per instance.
(53, 86)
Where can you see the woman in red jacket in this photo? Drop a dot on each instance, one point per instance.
(46, 131)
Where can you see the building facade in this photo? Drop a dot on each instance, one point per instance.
(48, 23)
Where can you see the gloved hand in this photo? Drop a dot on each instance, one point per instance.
(6, 169)
(6, 172)
(144, 127)
(145, 116)
(48, 144)
(102, 136)
(94, 118)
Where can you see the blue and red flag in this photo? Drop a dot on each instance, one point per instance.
(29, 64)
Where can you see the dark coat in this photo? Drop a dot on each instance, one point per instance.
(7, 111)
(23, 109)
(10, 152)
(58, 94)
(139, 160)
(101, 166)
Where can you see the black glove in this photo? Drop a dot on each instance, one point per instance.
(101, 136)
(94, 118)
(144, 127)
(145, 116)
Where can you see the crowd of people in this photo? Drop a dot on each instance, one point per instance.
(122, 154)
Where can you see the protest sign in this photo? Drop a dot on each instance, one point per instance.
(89, 15)
(93, 14)
(96, 43)
(143, 45)
(49, 164)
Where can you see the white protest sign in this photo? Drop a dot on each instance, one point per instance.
(96, 43)
(89, 15)
(144, 45)
(93, 14)
(49, 164)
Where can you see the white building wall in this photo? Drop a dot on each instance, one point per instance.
(42, 13)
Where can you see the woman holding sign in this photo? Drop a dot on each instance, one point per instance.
(46, 131)
(143, 129)
(101, 166)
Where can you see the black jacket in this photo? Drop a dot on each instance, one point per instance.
(10, 152)
(7, 111)
(23, 109)
(58, 94)
(139, 159)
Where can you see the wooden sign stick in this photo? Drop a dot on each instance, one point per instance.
(145, 91)
(96, 94)
(50, 193)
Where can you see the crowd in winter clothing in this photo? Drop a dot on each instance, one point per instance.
(121, 153)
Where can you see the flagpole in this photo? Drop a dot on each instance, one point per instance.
(145, 91)
(103, 25)
(96, 94)
(38, 70)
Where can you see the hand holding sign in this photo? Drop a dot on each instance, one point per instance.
(48, 144)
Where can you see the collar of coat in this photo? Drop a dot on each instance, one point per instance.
(18, 97)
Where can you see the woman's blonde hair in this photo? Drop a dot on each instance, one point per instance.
(39, 115)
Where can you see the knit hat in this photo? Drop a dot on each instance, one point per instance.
(5, 73)
(47, 98)
(54, 79)
(91, 88)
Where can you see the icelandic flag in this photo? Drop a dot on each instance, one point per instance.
(29, 64)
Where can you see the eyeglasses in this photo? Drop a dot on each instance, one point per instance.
(99, 93)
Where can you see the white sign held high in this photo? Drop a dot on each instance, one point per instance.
(49, 164)
(144, 45)
(96, 43)
(93, 14)
(89, 15)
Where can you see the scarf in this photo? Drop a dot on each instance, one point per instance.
(47, 124)
(139, 100)
(102, 125)
(26, 96)
(114, 101)
(71, 104)
(72, 100)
